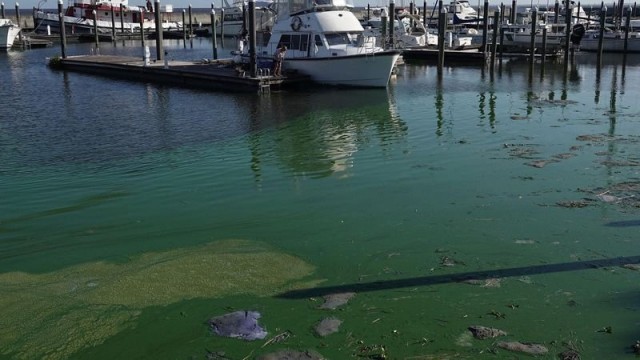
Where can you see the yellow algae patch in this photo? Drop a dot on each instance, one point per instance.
(54, 315)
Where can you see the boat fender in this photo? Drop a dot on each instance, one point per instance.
(296, 23)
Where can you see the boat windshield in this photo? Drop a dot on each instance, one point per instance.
(296, 6)
(341, 38)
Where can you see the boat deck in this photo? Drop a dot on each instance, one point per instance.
(213, 75)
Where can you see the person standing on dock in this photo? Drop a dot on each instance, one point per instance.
(278, 59)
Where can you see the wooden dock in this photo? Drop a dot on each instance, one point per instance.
(213, 75)
(458, 57)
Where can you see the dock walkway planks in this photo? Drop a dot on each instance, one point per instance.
(216, 75)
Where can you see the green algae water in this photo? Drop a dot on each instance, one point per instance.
(133, 213)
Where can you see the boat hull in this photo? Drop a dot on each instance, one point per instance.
(8, 34)
(611, 44)
(366, 70)
(75, 25)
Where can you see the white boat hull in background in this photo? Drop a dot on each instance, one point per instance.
(8, 33)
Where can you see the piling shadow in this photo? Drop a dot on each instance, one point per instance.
(449, 278)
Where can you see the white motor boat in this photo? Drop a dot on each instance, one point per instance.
(79, 17)
(612, 41)
(8, 33)
(234, 21)
(325, 41)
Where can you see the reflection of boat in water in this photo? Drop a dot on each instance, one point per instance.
(326, 41)
(8, 33)
(325, 129)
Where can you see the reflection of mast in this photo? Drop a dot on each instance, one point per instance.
(439, 103)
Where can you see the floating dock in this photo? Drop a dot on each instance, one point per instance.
(210, 75)
(469, 57)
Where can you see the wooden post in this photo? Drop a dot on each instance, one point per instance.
(184, 28)
(494, 42)
(603, 14)
(368, 12)
(18, 20)
(2, 14)
(63, 37)
(544, 50)
(383, 29)
(485, 26)
(567, 38)
(556, 12)
(222, 26)
(501, 41)
(253, 57)
(121, 18)
(532, 44)
(113, 23)
(190, 21)
(627, 24)
(144, 50)
(159, 34)
(442, 20)
(214, 39)
(95, 30)
(424, 13)
(411, 11)
(392, 16)
(514, 12)
(502, 12)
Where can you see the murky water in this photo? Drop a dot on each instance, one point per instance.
(132, 213)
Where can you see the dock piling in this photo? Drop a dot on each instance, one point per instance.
(214, 39)
(18, 20)
(121, 18)
(145, 49)
(494, 42)
(603, 14)
(513, 12)
(567, 38)
(392, 15)
(190, 21)
(627, 24)
(95, 29)
(184, 28)
(544, 51)
(532, 44)
(158, 21)
(2, 14)
(63, 37)
(222, 26)
(113, 24)
(442, 16)
(485, 25)
(253, 57)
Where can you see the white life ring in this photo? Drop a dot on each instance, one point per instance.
(296, 23)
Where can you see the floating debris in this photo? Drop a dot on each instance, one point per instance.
(328, 326)
(292, 355)
(606, 330)
(564, 156)
(573, 203)
(483, 332)
(449, 261)
(524, 242)
(278, 338)
(569, 355)
(333, 301)
(635, 267)
(239, 325)
(527, 348)
(540, 163)
(636, 347)
(489, 283)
